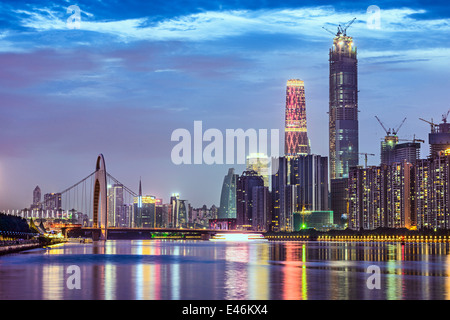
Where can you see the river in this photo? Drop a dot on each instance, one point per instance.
(205, 270)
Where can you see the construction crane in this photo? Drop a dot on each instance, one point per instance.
(433, 125)
(391, 130)
(365, 156)
(344, 30)
(341, 30)
(388, 132)
(394, 132)
(445, 116)
(414, 140)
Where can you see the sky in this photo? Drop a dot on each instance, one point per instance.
(135, 71)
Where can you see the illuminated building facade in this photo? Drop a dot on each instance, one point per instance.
(310, 174)
(144, 211)
(343, 120)
(36, 198)
(439, 138)
(227, 208)
(432, 192)
(259, 162)
(261, 208)
(381, 196)
(295, 135)
(399, 195)
(244, 198)
(116, 209)
(52, 201)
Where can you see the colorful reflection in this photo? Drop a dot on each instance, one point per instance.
(166, 269)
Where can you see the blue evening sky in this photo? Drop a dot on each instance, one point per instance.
(137, 70)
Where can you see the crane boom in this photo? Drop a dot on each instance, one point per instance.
(395, 132)
(388, 132)
(344, 30)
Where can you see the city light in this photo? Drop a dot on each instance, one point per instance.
(238, 237)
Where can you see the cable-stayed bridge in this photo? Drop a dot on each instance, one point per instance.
(101, 207)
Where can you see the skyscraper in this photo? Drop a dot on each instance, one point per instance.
(295, 133)
(343, 119)
(343, 108)
(244, 197)
(227, 208)
(36, 198)
(259, 162)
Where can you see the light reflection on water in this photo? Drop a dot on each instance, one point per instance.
(173, 270)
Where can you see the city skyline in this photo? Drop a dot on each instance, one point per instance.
(67, 95)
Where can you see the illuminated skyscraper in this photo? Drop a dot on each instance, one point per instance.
(36, 198)
(259, 162)
(343, 110)
(343, 119)
(295, 134)
(227, 208)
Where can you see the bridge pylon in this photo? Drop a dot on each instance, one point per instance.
(100, 213)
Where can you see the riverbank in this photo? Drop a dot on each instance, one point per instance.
(18, 247)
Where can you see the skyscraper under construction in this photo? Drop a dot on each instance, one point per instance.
(343, 117)
(295, 133)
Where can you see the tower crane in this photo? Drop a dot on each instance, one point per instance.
(341, 30)
(344, 30)
(365, 156)
(414, 140)
(433, 125)
(388, 132)
(394, 132)
(445, 116)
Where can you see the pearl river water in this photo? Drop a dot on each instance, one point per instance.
(206, 270)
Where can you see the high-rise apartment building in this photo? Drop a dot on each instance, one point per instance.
(381, 196)
(295, 135)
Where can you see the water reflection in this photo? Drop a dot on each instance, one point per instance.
(159, 269)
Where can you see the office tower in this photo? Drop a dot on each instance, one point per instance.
(310, 175)
(52, 201)
(295, 135)
(116, 210)
(261, 208)
(343, 112)
(387, 155)
(161, 212)
(259, 162)
(228, 196)
(279, 179)
(291, 206)
(174, 210)
(343, 119)
(409, 151)
(439, 138)
(36, 198)
(144, 211)
(244, 198)
(183, 210)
